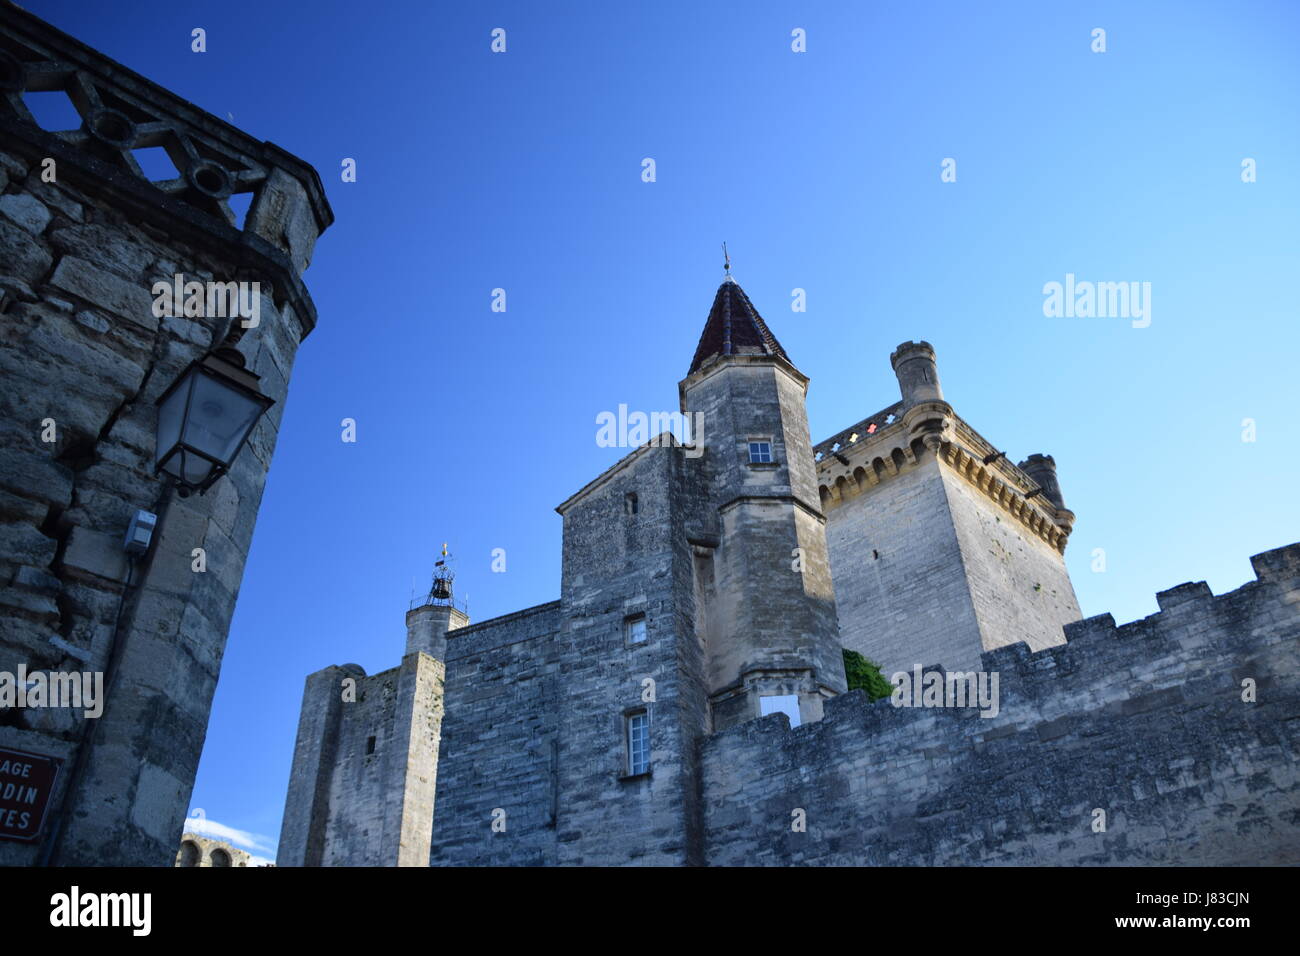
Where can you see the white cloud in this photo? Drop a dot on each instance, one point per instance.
(254, 843)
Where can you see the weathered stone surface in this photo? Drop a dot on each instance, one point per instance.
(26, 211)
(59, 338)
(14, 289)
(106, 247)
(54, 197)
(24, 509)
(283, 217)
(35, 476)
(26, 545)
(93, 321)
(157, 792)
(96, 552)
(37, 579)
(13, 165)
(95, 286)
(37, 605)
(22, 257)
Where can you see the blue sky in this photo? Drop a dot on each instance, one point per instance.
(821, 170)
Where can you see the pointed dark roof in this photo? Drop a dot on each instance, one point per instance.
(734, 327)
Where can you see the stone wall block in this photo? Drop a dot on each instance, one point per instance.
(109, 249)
(25, 211)
(97, 553)
(105, 290)
(22, 256)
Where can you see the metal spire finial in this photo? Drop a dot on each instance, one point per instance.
(726, 264)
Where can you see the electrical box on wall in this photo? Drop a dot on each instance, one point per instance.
(139, 532)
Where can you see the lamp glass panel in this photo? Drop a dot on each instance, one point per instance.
(220, 417)
(171, 413)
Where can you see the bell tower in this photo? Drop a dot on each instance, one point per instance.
(765, 607)
(427, 624)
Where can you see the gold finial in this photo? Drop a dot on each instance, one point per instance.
(444, 549)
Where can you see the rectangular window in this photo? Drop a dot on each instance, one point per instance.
(760, 453)
(638, 743)
(635, 627)
(787, 704)
(370, 745)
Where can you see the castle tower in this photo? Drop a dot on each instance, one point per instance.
(365, 762)
(765, 605)
(941, 549)
(427, 624)
(86, 235)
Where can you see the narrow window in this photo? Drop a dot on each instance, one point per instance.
(635, 628)
(370, 745)
(787, 704)
(760, 452)
(630, 504)
(638, 743)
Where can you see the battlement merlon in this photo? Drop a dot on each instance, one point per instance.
(122, 111)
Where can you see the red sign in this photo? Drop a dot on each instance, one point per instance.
(26, 782)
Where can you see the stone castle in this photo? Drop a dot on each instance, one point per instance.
(683, 702)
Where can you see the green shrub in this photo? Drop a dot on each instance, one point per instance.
(865, 674)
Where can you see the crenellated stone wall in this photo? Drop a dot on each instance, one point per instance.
(1145, 723)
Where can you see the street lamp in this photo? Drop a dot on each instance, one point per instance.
(205, 418)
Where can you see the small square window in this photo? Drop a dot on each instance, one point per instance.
(635, 628)
(760, 453)
(638, 743)
(787, 704)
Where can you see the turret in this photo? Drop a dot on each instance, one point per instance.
(918, 374)
(1042, 468)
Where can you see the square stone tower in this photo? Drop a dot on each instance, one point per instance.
(941, 549)
(365, 761)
